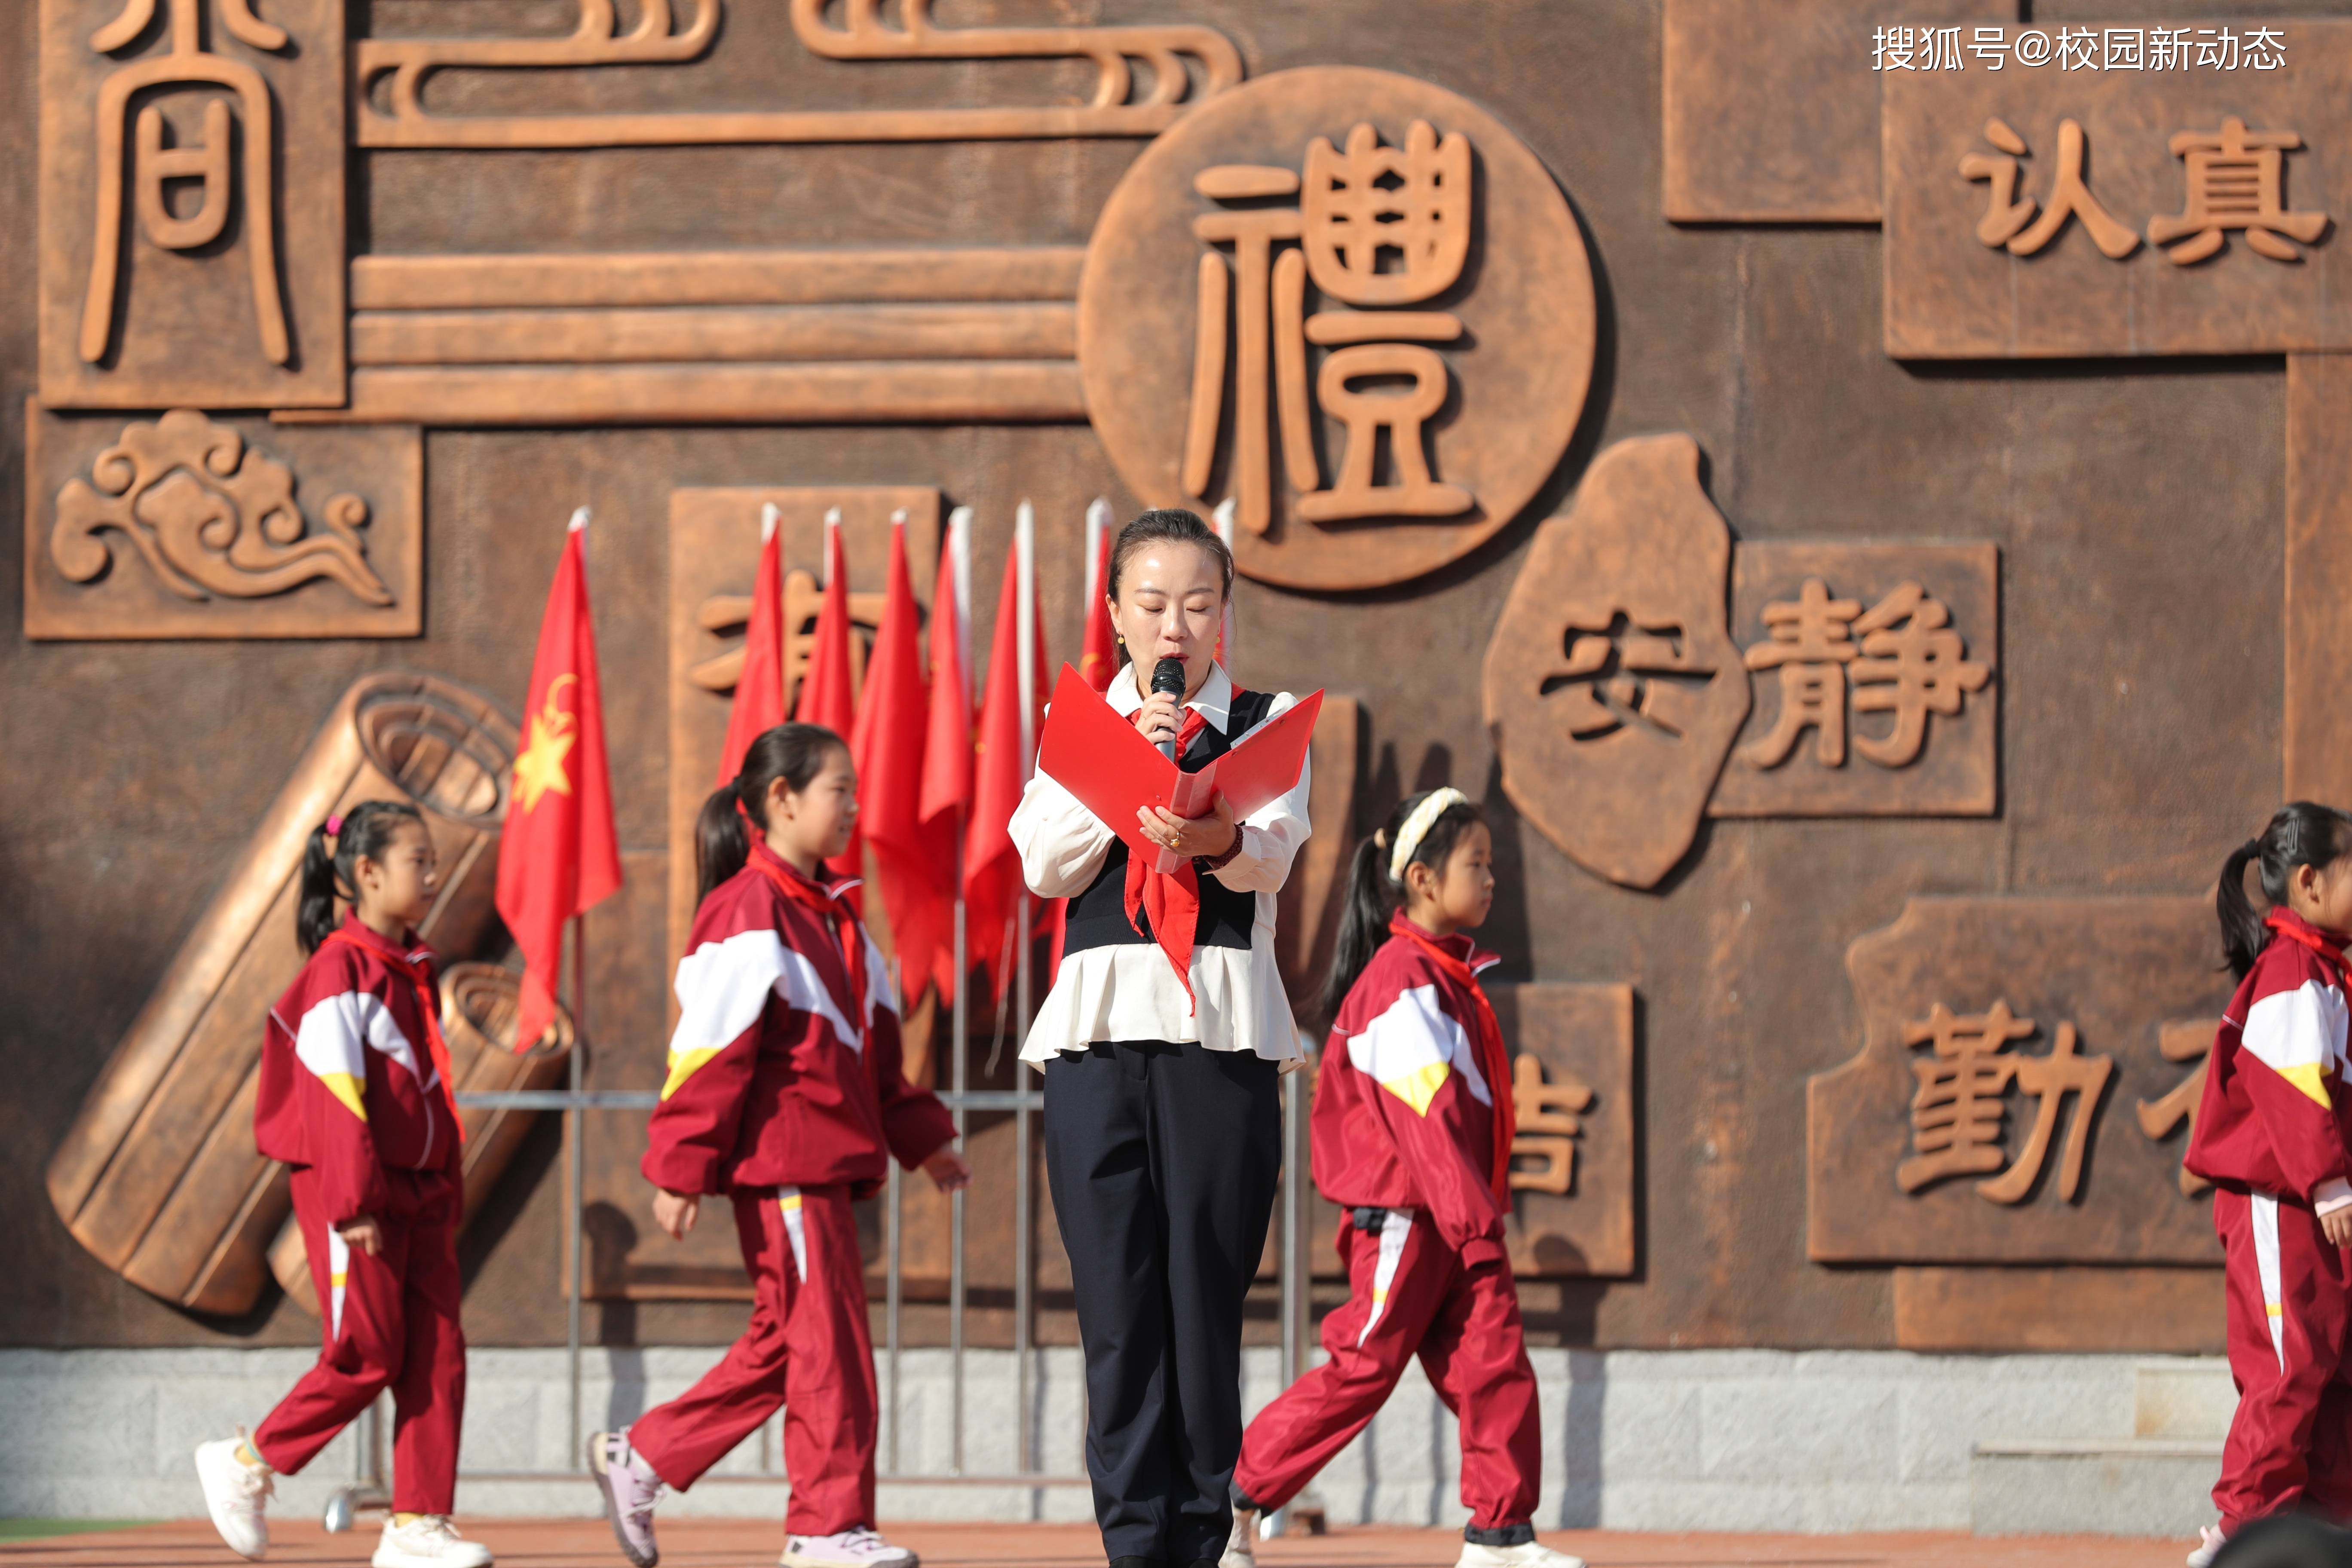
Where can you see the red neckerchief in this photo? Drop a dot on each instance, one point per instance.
(825, 904)
(2294, 928)
(1172, 899)
(416, 966)
(1493, 1060)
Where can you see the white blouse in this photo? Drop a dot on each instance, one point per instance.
(1128, 991)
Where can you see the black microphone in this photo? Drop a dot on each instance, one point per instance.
(1168, 676)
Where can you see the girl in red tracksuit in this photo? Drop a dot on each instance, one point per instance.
(355, 1097)
(2274, 1134)
(785, 1095)
(1412, 1134)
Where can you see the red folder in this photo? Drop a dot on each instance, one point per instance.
(1104, 761)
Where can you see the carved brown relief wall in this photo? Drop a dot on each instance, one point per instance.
(1180, 66)
(1613, 689)
(190, 525)
(1229, 278)
(1874, 669)
(192, 203)
(1770, 107)
(714, 550)
(730, 337)
(2190, 208)
(1992, 1113)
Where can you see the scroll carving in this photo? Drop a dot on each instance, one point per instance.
(861, 33)
(210, 515)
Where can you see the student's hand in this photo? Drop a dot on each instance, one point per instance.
(362, 1232)
(674, 1212)
(1208, 837)
(948, 1170)
(2336, 1225)
(1161, 717)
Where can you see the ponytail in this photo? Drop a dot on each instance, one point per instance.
(2300, 834)
(1373, 896)
(796, 753)
(330, 859)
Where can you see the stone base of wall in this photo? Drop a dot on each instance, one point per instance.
(1735, 1440)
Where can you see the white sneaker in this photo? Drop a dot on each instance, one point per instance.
(1532, 1555)
(235, 1493)
(859, 1547)
(1241, 1549)
(429, 1541)
(2209, 1546)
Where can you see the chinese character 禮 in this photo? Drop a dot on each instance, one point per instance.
(1376, 227)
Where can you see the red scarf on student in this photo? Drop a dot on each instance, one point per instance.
(827, 903)
(417, 968)
(1172, 899)
(2298, 930)
(1493, 1061)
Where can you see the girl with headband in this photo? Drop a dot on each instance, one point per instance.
(1412, 1135)
(355, 1096)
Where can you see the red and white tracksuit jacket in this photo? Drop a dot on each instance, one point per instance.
(2274, 1133)
(354, 1096)
(787, 1093)
(1410, 1115)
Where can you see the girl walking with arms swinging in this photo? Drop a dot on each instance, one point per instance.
(1412, 1135)
(786, 1096)
(2274, 1134)
(355, 1097)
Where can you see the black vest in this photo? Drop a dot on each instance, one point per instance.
(1097, 916)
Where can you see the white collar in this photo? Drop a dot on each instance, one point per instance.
(1214, 701)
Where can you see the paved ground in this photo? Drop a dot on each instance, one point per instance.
(728, 1543)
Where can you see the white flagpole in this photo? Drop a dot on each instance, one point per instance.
(1099, 520)
(1223, 523)
(1024, 600)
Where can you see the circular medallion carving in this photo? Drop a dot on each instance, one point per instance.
(1349, 302)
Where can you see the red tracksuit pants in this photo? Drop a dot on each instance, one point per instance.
(1407, 1292)
(807, 1350)
(2289, 1305)
(391, 1322)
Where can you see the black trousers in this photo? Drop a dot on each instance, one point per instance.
(1162, 1161)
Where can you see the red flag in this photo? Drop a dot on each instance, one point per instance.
(826, 695)
(947, 739)
(992, 866)
(759, 689)
(913, 862)
(1098, 666)
(558, 855)
(1098, 660)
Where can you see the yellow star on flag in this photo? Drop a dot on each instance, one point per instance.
(548, 740)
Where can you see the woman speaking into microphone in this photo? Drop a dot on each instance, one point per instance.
(1160, 1043)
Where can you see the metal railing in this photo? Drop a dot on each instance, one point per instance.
(370, 1493)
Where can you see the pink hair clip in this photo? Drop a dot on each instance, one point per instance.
(335, 826)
